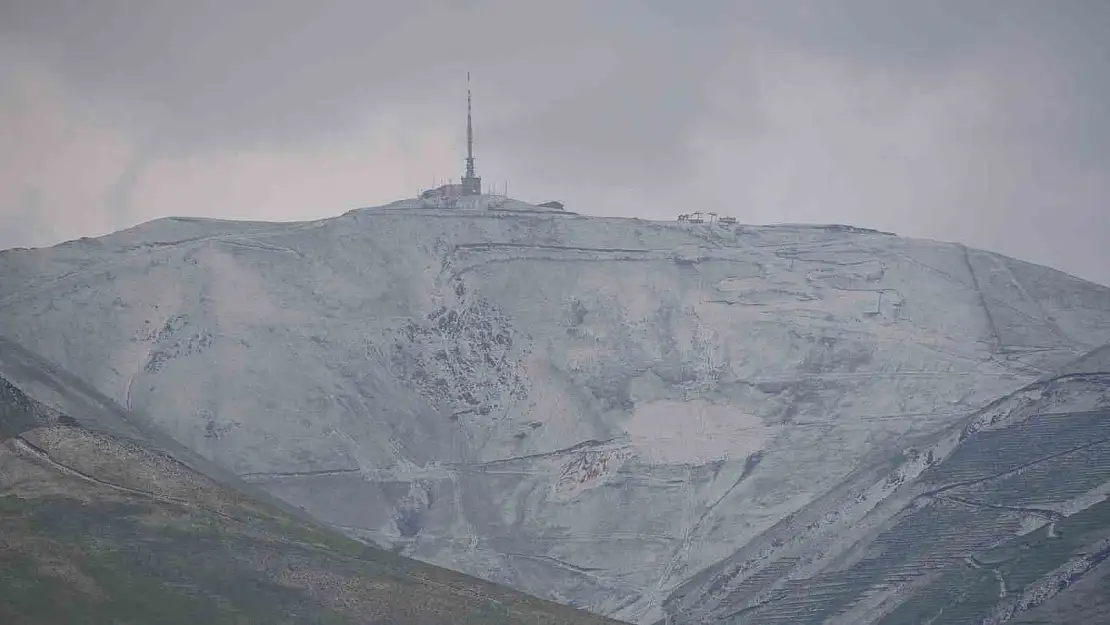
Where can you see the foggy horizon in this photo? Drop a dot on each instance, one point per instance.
(955, 121)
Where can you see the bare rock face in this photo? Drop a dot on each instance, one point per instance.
(615, 414)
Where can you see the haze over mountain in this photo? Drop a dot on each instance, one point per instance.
(946, 119)
(792, 423)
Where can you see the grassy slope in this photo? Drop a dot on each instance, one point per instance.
(96, 529)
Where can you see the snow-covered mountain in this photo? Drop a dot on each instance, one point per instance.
(598, 411)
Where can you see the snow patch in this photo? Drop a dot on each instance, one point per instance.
(694, 432)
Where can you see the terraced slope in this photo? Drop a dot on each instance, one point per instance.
(1003, 520)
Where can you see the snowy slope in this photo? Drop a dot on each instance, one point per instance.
(594, 410)
(99, 529)
(1003, 516)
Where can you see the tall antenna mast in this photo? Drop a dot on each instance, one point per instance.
(472, 184)
(469, 133)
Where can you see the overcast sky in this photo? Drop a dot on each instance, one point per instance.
(985, 122)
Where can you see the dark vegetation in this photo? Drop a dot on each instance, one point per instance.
(136, 538)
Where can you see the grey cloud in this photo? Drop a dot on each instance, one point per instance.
(863, 110)
(28, 224)
(915, 36)
(217, 73)
(284, 70)
(1067, 39)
